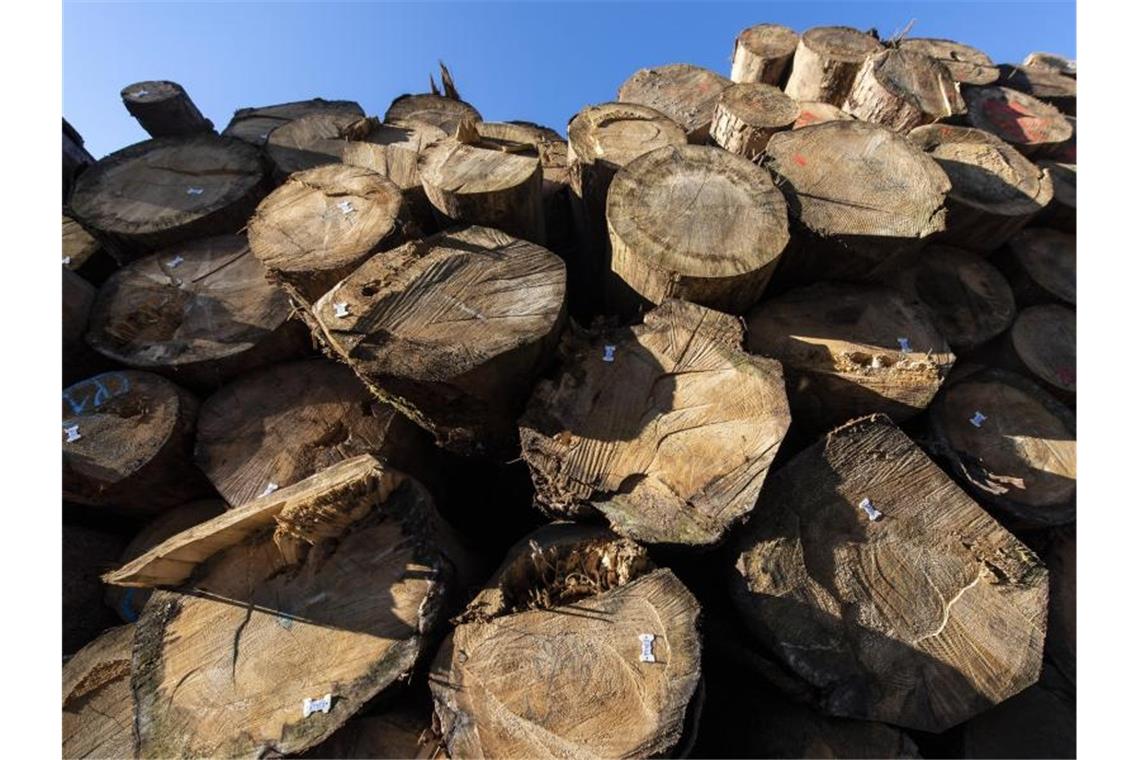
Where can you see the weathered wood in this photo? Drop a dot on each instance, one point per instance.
(697, 223)
(1061, 639)
(98, 711)
(903, 89)
(826, 62)
(817, 112)
(308, 142)
(685, 93)
(763, 53)
(1028, 124)
(164, 109)
(850, 350)
(1042, 344)
(76, 158)
(885, 587)
(254, 125)
(1040, 722)
(968, 65)
(394, 321)
(1047, 86)
(399, 734)
(83, 254)
(86, 554)
(79, 361)
(1061, 213)
(747, 115)
(1057, 64)
(1041, 266)
(433, 110)
(669, 438)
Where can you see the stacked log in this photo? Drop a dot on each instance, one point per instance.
(763, 53)
(1051, 62)
(1051, 87)
(309, 141)
(818, 112)
(164, 109)
(826, 62)
(432, 110)
(747, 115)
(1061, 212)
(83, 254)
(98, 708)
(76, 158)
(1030, 125)
(1041, 265)
(80, 360)
(968, 65)
(1042, 345)
(86, 554)
(254, 125)
(686, 94)
(903, 89)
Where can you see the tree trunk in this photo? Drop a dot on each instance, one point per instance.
(98, 711)
(826, 62)
(1051, 87)
(79, 361)
(1042, 345)
(394, 322)
(881, 583)
(1061, 213)
(684, 93)
(1026, 123)
(763, 53)
(968, 65)
(164, 109)
(697, 223)
(903, 89)
(815, 112)
(86, 554)
(1051, 62)
(747, 115)
(308, 142)
(83, 254)
(76, 158)
(695, 471)
(433, 110)
(1041, 266)
(253, 125)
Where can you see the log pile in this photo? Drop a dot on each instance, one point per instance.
(740, 421)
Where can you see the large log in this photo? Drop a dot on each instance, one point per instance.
(76, 158)
(818, 112)
(763, 53)
(83, 254)
(903, 89)
(1041, 265)
(1042, 344)
(399, 733)
(1050, 87)
(1057, 64)
(394, 321)
(748, 114)
(86, 554)
(164, 109)
(885, 587)
(254, 125)
(1061, 638)
(968, 65)
(308, 142)
(685, 93)
(826, 62)
(98, 710)
(1028, 124)
(1061, 213)
(79, 360)
(666, 429)
(1040, 722)
(430, 109)
(698, 223)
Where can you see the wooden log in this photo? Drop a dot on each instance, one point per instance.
(685, 93)
(323, 223)
(399, 734)
(98, 711)
(254, 125)
(163, 192)
(994, 190)
(548, 658)
(903, 89)
(850, 350)
(1042, 345)
(1028, 124)
(697, 223)
(816, 112)
(308, 142)
(433, 110)
(1061, 213)
(1050, 87)
(885, 587)
(83, 254)
(76, 158)
(763, 53)
(200, 313)
(164, 109)
(127, 442)
(1041, 266)
(747, 115)
(718, 417)
(1040, 722)
(826, 62)
(1061, 637)
(968, 65)
(277, 426)
(1058, 64)
(394, 322)
(79, 361)
(86, 554)
(1011, 443)
(269, 612)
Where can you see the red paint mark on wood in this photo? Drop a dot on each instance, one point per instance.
(1016, 122)
(807, 117)
(799, 159)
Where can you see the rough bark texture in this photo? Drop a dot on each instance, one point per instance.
(86, 553)
(968, 65)
(1061, 213)
(1041, 265)
(164, 109)
(1028, 124)
(686, 94)
(254, 125)
(903, 89)
(816, 112)
(1057, 64)
(747, 115)
(98, 711)
(433, 110)
(763, 53)
(1050, 87)
(307, 142)
(1043, 346)
(826, 62)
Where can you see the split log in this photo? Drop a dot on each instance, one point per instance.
(86, 554)
(308, 142)
(826, 62)
(269, 611)
(1042, 345)
(747, 115)
(1012, 444)
(254, 125)
(433, 110)
(968, 65)
(163, 192)
(685, 93)
(164, 109)
(903, 89)
(398, 734)
(1040, 722)
(763, 53)
(1041, 266)
(717, 417)
(817, 112)
(850, 350)
(1050, 87)
(83, 254)
(886, 588)
(1061, 213)
(549, 657)
(994, 190)
(127, 441)
(1028, 124)
(1061, 638)
(277, 426)
(201, 313)
(98, 710)
(697, 223)
(1057, 64)
(79, 361)
(394, 322)
(323, 223)
(76, 158)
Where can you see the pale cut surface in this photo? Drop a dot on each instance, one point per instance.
(817, 112)
(309, 141)
(78, 245)
(432, 110)
(1058, 64)
(762, 53)
(902, 89)
(966, 64)
(748, 114)
(253, 125)
(1045, 339)
(1049, 259)
(613, 134)
(826, 62)
(456, 167)
(98, 709)
(1051, 87)
(1025, 122)
(840, 43)
(685, 93)
(390, 150)
(922, 618)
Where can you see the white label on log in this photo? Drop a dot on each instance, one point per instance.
(265, 136)
(194, 191)
(869, 508)
(977, 419)
(340, 309)
(876, 362)
(345, 207)
(67, 261)
(175, 261)
(904, 345)
(142, 93)
(72, 433)
(310, 706)
(268, 490)
(647, 647)
(608, 356)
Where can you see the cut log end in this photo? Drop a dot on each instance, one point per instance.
(254, 125)
(316, 139)
(164, 109)
(968, 65)
(747, 115)
(1030, 125)
(826, 62)
(1041, 265)
(433, 110)
(1045, 340)
(815, 112)
(763, 54)
(686, 94)
(903, 89)
(98, 708)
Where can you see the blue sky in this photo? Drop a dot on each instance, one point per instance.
(539, 61)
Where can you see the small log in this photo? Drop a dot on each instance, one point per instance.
(1040, 722)
(323, 223)
(548, 658)
(163, 192)
(86, 554)
(394, 322)
(850, 350)
(816, 112)
(1042, 345)
(1050, 87)
(83, 254)
(1061, 638)
(1041, 266)
(685, 93)
(1028, 124)
(1058, 64)
(308, 142)
(1061, 213)
(433, 110)
(254, 125)
(76, 158)
(747, 115)
(399, 734)
(164, 109)
(880, 585)
(968, 65)
(79, 361)
(718, 414)
(98, 709)
(1012, 444)
(697, 223)
(127, 442)
(826, 62)
(994, 190)
(763, 53)
(279, 425)
(200, 313)
(903, 89)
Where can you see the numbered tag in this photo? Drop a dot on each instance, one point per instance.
(647, 647)
(869, 508)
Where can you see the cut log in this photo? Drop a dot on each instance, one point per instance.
(87, 553)
(574, 628)
(968, 65)
(277, 426)
(1041, 266)
(394, 321)
(826, 62)
(159, 193)
(83, 254)
(308, 142)
(164, 109)
(79, 361)
(1038, 723)
(817, 112)
(98, 710)
(1061, 640)
(323, 223)
(886, 588)
(666, 429)
(763, 53)
(399, 734)
(1028, 124)
(850, 350)
(253, 125)
(994, 190)
(747, 115)
(76, 158)
(1043, 346)
(1061, 213)
(127, 441)
(686, 94)
(433, 110)
(271, 614)
(1058, 64)
(201, 313)
(697, 223)
(1012, 444)
(903, 89)
(1051, 87)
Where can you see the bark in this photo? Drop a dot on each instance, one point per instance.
(747, 115)
(1051, 62)
(1061, 213)
(164, 109)
(79, 361)
(903, 89)
(826, 62)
